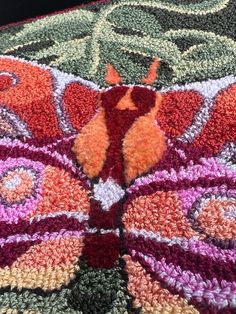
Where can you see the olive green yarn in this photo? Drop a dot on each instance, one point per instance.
(126, 32)
(53, 303)
(100, 291)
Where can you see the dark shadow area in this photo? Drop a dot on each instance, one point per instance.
(17, 10)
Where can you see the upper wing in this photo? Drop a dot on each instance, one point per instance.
(201, 113)
(40, 102)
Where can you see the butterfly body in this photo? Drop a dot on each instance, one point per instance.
(121, 108)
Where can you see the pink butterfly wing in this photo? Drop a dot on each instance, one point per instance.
(178, 220)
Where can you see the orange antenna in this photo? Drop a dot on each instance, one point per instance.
(152, 72)
(112, 76)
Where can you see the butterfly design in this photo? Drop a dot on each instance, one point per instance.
(120, 173)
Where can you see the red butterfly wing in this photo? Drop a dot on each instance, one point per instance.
(39, 102)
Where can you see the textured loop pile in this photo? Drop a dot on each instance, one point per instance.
(118, 160)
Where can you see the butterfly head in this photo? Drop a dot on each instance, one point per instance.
(130, 141)
(137, 99)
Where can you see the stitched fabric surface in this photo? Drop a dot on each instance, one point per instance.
(118, 160)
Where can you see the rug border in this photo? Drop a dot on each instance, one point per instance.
(38, 17)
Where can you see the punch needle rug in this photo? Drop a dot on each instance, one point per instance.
(118, 160)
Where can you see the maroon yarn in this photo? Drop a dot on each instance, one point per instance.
(49, 224)
(174, 254)
(209, 308)
(118, 122)
(11, 251)
(169, 185)
(101, 250)
(143, 98)
(16, 152)
(102, 219)
(111, 97)
(61, 145)
(172, 160)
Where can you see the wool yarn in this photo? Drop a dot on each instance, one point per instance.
(117, 160)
